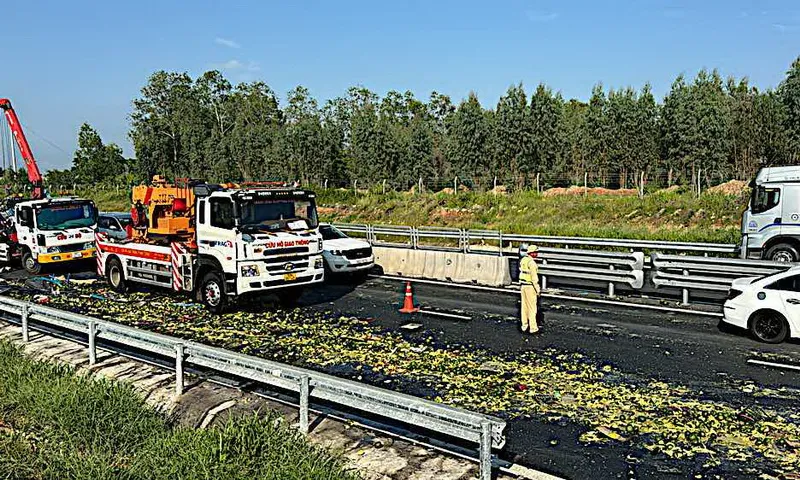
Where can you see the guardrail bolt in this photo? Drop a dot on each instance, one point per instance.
(24, 317)
(92, 345)
(486, 451)
(304, 391)
(179, 369)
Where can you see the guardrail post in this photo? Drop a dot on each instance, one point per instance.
(414, 238)
(24, 317)
(92, 345)
(179, 369)
(304, 390)
(611, 284)
(486, 450)
(500, 235)
(685, 290)
(544, 277)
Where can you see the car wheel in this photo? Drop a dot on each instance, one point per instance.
(769, 326)
(30, 264)
(212, 293)
(783, 252)
(116, 275)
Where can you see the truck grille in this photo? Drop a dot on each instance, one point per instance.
(74, 247)
(285, 251)
(358, 253)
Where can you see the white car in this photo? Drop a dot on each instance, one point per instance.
(342, 253)
(769, 307)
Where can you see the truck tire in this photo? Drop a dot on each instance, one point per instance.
(212, 292)
(30, 264)
(783, 252)
(288, 297)
(116, 275)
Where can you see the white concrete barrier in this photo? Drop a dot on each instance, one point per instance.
(456, 267)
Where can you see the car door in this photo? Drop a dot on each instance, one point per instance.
(789, 290)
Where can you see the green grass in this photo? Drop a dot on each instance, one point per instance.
(660, 215)
(56, 424)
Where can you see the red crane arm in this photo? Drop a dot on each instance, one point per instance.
(34, 175)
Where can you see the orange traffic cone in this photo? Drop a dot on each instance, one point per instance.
(408, 301)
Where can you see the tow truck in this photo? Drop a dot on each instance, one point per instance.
(217, 242)
(42, 231)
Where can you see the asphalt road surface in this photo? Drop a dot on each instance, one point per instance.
(692, 351)
(679, 349)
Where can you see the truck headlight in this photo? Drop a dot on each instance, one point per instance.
(53, 249)
(250, 270)
(318, 263)
(336, 252)
(319, 244)
(87, 246)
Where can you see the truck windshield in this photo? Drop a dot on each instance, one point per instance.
(70, 215)
(764, 198)
(283, 214)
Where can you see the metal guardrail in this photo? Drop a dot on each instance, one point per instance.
(595, 265)
(486, 431)
(706, 273)
(466, 237)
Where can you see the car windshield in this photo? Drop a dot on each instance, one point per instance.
(125, 221)
(330, 232)
(71, 215)
(273, 215)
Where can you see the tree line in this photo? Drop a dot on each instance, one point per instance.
(705, 130)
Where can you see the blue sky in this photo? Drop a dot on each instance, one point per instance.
(68, 62)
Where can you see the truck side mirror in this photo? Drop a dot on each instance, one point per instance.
(26, 217)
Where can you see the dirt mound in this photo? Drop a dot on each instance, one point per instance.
(447, 191)
(734, 187)
(575, 190)
(671, 189)
(500, 190)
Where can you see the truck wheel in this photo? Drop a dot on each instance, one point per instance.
(288, 297)
(116, 275)
(783, 252)
(30, 264)
(212, 293)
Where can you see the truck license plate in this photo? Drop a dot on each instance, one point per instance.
(77, 255)
(290, 277)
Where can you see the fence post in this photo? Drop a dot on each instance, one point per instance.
(326, 184)
(486, 450)
(538, 189)
(685, 290)
(419, 189)
(494, 186)
(455, 185)
(24, 316)
(179, 369)
(304, 391)
(355, 186)
(585, 183)
(384, 187)
(92, 344)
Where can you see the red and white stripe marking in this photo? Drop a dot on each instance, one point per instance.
(98, 237)
(177, 278)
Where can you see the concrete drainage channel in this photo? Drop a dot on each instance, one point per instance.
(182, 383)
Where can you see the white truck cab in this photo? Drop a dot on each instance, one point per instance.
(48, 231)
(771, 223)
(245, 242)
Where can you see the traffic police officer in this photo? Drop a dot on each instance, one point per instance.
(530, 290)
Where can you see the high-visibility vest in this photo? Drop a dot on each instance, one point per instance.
(528, 271)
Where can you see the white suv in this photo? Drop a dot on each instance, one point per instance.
(769, 307)
(342, 253)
